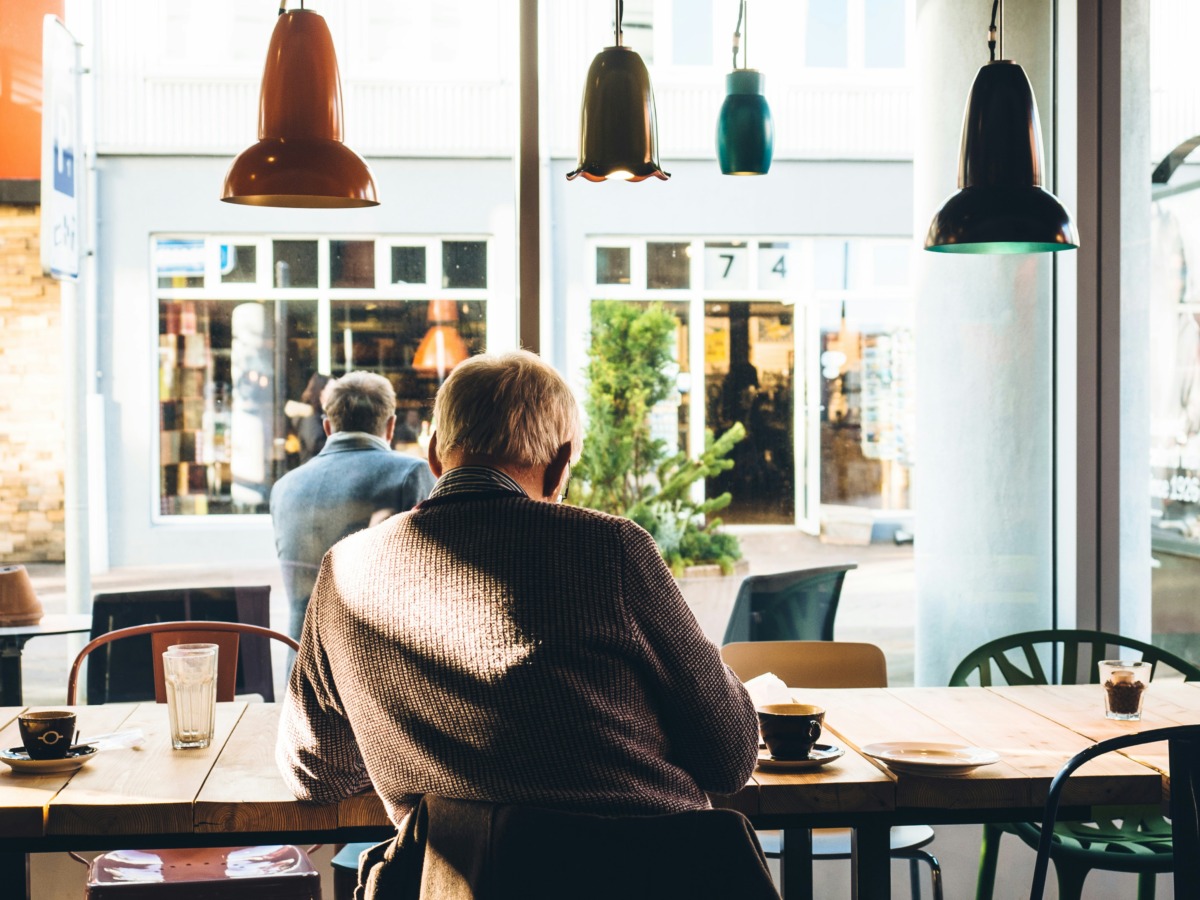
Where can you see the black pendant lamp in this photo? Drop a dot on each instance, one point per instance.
(618, 132)
(1001, 206)
(300, 160)
(745, 130)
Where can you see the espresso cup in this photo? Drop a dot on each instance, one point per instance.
(790, 729)
(47, 735)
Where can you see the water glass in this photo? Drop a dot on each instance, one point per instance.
(1124, 683)
(190, 672)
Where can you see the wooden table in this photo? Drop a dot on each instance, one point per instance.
(12, 644)
(231, 793)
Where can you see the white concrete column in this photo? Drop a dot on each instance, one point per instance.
(983, 484)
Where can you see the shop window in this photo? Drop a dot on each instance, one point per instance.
(668, 266)
(612, 265)
(295, 264)
(826, 43)
(239, 264)
(408, 265)
(352, 264)
(464, 264)
(225, 372)
(387, 337)
(179, 263)
(884, 39)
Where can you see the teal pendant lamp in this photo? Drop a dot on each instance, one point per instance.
(618, 132)
(1001, 206)
(745, 130)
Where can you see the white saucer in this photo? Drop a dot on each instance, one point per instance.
(820, 755)
(916, 758)
(18, 760)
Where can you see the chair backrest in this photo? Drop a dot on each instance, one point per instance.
(117, 673)
(1184, 748)
(1020, 658)
(788, 606)
(226, 635)
(815, 664)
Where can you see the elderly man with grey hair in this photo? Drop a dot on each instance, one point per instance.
(494, 644)
(355, 481)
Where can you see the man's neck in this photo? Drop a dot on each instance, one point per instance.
(530, 480)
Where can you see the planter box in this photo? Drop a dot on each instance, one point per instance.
(710, 594)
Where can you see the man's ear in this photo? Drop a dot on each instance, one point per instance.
(390, 428)
(556, 472)
(328, 426)
(435, 464)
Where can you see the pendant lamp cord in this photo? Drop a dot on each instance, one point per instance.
(992, 32)
(737, 36)
(619, 16)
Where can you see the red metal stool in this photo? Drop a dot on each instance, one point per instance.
(280, 872)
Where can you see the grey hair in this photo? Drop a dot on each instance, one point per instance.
(359, 401)
(511, 407)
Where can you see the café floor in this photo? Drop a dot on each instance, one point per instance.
(877, 605)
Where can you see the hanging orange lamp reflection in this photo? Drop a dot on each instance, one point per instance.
(442, 348)
(300, 160)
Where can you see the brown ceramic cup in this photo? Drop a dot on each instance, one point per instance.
(790, 729)
(47, 735)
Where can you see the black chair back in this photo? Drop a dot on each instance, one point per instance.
(1184, 744)
(122, 671)
(788, 606)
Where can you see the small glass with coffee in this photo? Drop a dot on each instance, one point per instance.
(1124, 683)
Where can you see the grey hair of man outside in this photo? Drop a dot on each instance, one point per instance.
(359, 401)
(511, 407)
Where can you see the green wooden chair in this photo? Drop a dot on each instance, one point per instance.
(1127, 840)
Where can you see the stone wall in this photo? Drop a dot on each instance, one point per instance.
(32, 369)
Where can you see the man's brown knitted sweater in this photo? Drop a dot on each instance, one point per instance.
(486, 646)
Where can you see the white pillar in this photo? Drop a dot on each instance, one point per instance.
(983, 486)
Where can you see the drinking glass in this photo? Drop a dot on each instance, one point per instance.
(1124, 683)
(190, 671)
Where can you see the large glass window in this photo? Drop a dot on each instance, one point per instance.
(243, 352)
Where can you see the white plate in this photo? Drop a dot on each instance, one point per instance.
(820, 755)
(18, 760)
(913, 758)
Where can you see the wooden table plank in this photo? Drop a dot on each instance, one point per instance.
(24, 797)
(245, 792)
(361, 809)
(151, 790)
(850, 784)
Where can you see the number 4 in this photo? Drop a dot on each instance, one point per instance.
(780, 267)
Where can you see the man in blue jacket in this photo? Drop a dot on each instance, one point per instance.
(357, 480)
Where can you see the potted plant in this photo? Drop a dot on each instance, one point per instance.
(628, 472)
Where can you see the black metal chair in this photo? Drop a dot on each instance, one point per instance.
(1184, 749)
(1133, 842)
(116, 672)
(788, 606)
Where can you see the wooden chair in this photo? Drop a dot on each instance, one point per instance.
(1135, 842)
(832, 664)
(232, 873)
(115, 674)
(788, 606)
(1184, 749)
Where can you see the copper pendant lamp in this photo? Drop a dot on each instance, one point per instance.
(1001, 206)
(442, 348)
(300, 160)
(618, 131)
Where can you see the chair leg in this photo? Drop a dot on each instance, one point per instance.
(1070, 879)
(1146, 883)
(989, 853)
(914, 878)
(935, 872)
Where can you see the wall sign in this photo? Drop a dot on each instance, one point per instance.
(62, 154)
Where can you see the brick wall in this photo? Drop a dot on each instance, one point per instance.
(32, 452)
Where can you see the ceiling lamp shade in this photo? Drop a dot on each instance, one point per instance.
(1001, 206)
(618, 130)
(745, 130)
(300, 160)
(442, 348)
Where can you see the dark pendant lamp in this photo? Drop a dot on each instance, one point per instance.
(745, 131)
(618, 132)
(300, 160)
(1001, 206)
